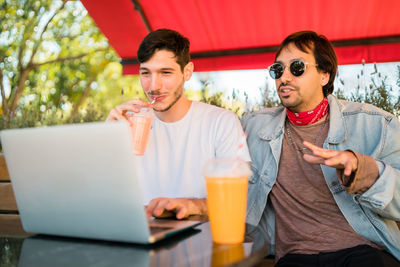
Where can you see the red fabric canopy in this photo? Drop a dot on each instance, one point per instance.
(237, 34)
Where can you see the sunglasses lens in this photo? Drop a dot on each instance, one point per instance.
(297, 68)
(276, 70)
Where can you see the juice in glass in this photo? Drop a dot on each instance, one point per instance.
(226, 199)
(140, 124)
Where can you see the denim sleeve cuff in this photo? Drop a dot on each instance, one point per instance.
(363, 178)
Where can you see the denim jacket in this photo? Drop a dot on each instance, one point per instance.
(360, 127)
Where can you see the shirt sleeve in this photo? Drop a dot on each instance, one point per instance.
(363, 178)
(230, 138)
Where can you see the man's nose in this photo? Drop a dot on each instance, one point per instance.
(287, 75)
(156, 83)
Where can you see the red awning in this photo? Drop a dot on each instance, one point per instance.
(237, 34)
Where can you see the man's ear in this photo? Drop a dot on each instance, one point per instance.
(324, 78)
(188, 71)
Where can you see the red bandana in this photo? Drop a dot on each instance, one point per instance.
(311, 116)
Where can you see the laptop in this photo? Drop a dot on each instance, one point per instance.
(79, 180)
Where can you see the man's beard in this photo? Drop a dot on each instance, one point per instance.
(177, 95)
(283, 99)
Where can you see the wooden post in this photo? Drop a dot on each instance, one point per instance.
(4, 175)
(7, 198)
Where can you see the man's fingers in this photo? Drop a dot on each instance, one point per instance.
(157, 208)
(315, 149)
(348, 169)
(310, 146)
(160, 207)
(182, 213)
(166, 214)
(319, 151)
(118, 113)
(350, 164)
(114, 115)
(335, 161)
(123, 108)
(152, 206)
(170, 207)
(338, 161)
(178, 208)
(313, 159)
(343, 160)
(149, 208)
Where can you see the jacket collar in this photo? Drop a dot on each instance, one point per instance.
(275, 127)
(337, 127)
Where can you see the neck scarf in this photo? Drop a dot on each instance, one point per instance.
(311, 116)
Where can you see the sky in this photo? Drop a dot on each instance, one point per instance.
(250, 81)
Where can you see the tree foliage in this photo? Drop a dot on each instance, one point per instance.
(374, 90)
(51, 54)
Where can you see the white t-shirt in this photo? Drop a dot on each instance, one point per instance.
(176, 152)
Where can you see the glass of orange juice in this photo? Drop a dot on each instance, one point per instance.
(140, 124)
(226, 183)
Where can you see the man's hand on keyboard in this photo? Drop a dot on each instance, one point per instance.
(181, 208)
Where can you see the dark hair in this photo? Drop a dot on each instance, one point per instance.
(324, 54)
(165, 39)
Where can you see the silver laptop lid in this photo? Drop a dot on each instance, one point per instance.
(77, 180)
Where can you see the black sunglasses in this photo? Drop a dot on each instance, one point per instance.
(297, 68)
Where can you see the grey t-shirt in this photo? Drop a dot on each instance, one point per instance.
(308, 220)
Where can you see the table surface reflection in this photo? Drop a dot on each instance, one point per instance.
(190, 248)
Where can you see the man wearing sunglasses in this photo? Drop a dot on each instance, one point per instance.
(326, 172)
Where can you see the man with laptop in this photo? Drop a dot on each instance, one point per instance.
(185, 133)
(82, 180)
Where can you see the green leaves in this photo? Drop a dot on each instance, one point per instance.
(51, 54)
(374, 89)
